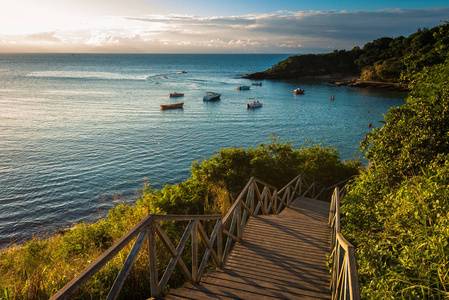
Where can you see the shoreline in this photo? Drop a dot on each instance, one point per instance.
(337, 79)
(390, 86)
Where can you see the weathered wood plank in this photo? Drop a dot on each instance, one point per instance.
(269, 277)
(257, 280)
(287, 267)
(194, 237)
(279, 257)
(152, 253)
(245, 291)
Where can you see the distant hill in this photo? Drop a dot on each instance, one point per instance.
(384, 59)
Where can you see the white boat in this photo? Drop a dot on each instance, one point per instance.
(211, 96)
(253, 104)
(243, 87)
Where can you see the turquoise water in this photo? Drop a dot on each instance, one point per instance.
(77, 129)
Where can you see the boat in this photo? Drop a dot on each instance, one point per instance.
(243, 87)
(299, 91)
(257, 83)
(253, 104)
(175, 94)
(183, 72)
(172, 106)
(211, 96)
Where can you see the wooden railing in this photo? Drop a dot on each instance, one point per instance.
(256, 198)
(148, 229)
(344, 278)
(306, 187)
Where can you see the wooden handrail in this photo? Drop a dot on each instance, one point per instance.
(94, 267)
(344, 277)
(257, 197)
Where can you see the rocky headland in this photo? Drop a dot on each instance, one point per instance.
(339, 67)
(385, 63)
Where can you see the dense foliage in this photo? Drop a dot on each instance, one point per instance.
(320, 64)
(400, 58)
(384, 59)
(39, 268)
(397, 211)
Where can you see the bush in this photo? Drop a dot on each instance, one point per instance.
(396, 211)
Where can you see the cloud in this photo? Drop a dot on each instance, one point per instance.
(314, 30)
(43, 37)
(280, 32)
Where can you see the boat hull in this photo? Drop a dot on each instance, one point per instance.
(211, 97)
(175, 95)
(253, 105)
(172, 106)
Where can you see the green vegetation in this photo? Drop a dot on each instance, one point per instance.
(397, 211)
(384, 59)
(39, 268)
(320, 64)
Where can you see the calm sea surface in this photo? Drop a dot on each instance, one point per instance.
(77, 129)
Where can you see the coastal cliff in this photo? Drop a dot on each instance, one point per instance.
(387, 63)
(339, 63)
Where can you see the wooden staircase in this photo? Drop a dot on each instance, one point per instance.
(270, 244)
(280, 257)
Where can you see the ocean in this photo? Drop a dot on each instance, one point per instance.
(76, 130)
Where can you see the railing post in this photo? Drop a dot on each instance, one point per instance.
(239, 222)
(220, 243)
(251, 195)
(194, 236)
(152, 254)
(124, 272)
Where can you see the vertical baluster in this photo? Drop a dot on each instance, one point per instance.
(275, 201)
(251, 194)
(152, 253)
(220, 243)
(194, 236)
(239, 221)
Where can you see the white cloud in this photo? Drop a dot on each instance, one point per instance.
(43, 37)
(284, 31)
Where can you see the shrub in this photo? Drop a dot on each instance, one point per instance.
(396, 211)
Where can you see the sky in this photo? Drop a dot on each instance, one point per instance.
(208, 26)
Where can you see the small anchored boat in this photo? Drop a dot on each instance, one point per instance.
(211, 96)
(257, 83)
(243, 87)
(253, 104)
(299, 91)
(172, 106)
(175, 95)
